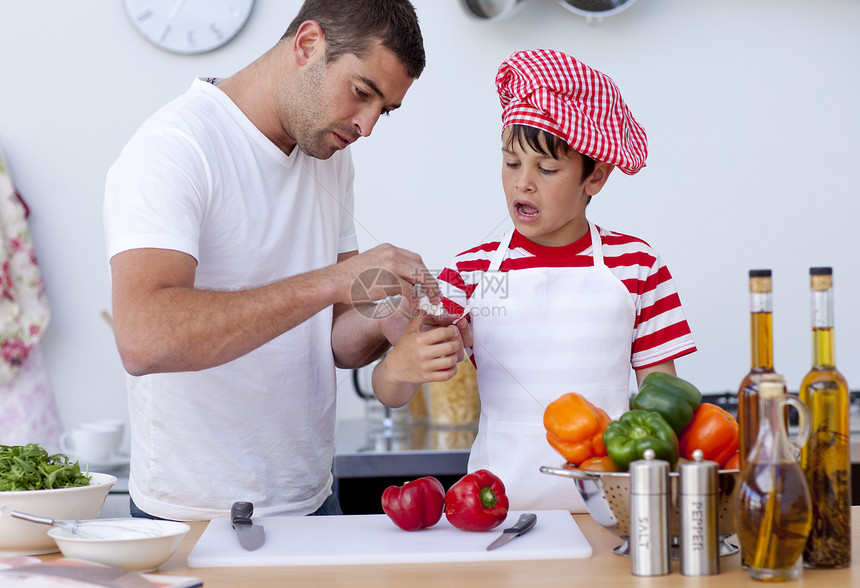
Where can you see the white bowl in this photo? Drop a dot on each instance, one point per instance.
(137, 545)
(19, 537)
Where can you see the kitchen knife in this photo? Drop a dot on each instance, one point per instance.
(523, 524)
(251, 536)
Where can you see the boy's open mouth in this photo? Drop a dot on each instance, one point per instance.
(526, 209)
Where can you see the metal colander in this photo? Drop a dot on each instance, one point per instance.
(607, 497)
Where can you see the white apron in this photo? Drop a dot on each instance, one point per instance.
(540, 333)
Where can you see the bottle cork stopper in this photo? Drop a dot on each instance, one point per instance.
(821, 278)
(771, 388)
(760, 281)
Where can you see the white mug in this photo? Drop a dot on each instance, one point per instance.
(96, 444)
(116, 425)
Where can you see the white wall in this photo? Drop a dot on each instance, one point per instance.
(750, 106)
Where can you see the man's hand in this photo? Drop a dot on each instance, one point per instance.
(382, 272)
(363, 326)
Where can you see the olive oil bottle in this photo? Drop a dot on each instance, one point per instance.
(761, 339)
(774, 513)
(826, 456)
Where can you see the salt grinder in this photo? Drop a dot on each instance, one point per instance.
(649, 516)
(699, 536)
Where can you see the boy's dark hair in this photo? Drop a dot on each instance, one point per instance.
(551, 145)
(352, 26)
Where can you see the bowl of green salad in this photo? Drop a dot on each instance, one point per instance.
(48, 485)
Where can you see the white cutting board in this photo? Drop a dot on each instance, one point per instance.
(374, 539)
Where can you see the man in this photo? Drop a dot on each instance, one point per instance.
(233, 259)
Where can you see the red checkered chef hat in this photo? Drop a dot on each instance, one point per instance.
(556, 93)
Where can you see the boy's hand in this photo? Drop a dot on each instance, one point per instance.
(461, 322)
(425, 352)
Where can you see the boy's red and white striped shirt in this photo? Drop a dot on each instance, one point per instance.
(661, 331)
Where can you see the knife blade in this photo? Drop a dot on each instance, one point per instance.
(251, 536)
(523, 525)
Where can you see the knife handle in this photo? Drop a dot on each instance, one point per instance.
(241, 512)
(523, 524)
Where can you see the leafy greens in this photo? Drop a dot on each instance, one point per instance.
(30, 467)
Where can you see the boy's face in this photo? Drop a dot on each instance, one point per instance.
(547, 197)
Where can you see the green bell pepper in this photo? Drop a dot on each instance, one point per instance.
(635, 431)
(675, 399)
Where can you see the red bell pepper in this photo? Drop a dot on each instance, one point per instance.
(476, 502)
(714, 431)
(734, 462)
(416, 504)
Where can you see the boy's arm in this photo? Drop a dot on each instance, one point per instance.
(666, 367)
(419, 356)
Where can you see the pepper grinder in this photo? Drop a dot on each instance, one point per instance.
(699, 533)
(650, 550)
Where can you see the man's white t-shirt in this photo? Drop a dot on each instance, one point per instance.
(200, 178)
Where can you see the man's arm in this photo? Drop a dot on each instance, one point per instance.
(163, 324)
(356, 340)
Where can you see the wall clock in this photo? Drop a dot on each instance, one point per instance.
(188, 27)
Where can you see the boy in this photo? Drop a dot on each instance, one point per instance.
(558, 304)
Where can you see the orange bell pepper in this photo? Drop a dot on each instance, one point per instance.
(574, 427)
(714, 431)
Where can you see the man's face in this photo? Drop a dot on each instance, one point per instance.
(334, 104)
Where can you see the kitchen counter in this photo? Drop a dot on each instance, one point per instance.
(604, 568)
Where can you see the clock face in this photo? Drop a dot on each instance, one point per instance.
(188, 26)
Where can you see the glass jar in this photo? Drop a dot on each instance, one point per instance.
(455, 403)
(774, 507)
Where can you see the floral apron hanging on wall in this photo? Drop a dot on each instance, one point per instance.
(27, 411)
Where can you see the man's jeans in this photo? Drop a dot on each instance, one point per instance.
(331, 506)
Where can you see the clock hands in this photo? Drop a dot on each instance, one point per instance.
(176, 8)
